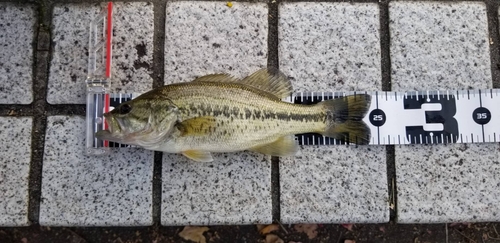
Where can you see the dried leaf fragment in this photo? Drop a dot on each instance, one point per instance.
(194, 234)
(268, 229)
(309, 229)
(270, 238)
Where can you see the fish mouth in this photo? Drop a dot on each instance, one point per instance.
(113, 129)
(113, 125)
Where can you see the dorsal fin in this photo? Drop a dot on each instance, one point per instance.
(270, 80)
(220, 77)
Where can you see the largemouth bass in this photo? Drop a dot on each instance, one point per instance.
(220, 113)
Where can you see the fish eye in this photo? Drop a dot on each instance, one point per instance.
(124, 109)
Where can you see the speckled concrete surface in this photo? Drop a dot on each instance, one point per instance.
(209, 37)
(70, 41)
(439, 45)
(233, 189)
(132, 50)
(330, 46)
(448, 183)
(335, 184)
(79, 190)
(443, 46)
(17, 33)
(15, 156)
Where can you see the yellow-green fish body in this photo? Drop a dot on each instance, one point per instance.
(218, 113)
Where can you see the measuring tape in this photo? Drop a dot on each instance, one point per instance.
(429, 117)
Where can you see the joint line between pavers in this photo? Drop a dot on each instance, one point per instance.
(385, 62)
(39, 106)
(160, 13)
(273, 62)
(494, 39)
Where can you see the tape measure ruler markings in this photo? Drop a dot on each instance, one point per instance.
(413, 117)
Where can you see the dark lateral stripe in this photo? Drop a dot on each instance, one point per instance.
(249, 114)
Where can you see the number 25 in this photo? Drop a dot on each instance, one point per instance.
(378, 117)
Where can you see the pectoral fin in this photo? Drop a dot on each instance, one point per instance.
(284, 146)
(199, 156)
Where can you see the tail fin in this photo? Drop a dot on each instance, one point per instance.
(344, 118)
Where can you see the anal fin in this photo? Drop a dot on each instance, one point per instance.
(284, 146)
(199, 156)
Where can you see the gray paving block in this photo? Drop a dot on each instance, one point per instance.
(210, 37)
(234, 189)
(332, 47)
(17, 33)
(448, 183)
(204, 38)
(443, 46)
(436, 44)
(15, 156)
(343, 184)
(80, 190)
(132, 50)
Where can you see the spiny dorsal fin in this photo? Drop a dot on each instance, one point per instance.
(199, 156)
(270, 80)
(284, 146)
(220, 77)
(197, 126)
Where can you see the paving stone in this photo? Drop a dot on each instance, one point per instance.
(132, 50)
(332, 47)
(81, 190)
(15, 156)
(209, 37)
(443, 46)
(448, 183)
(236, 187)
(17, 33)
(434, 45)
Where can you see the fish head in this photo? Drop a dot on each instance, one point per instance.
(143, 122)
